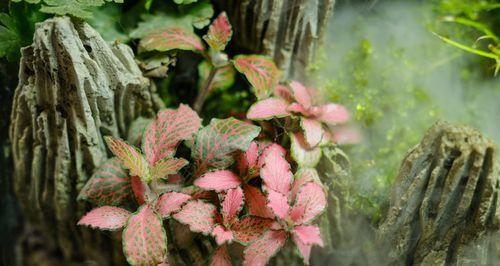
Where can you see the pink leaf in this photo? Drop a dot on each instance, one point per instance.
(170, 127)
(222, 235)
(346, 135)
(199, 215)
(139, 190)
(301, 153)
(332, 114)
(105, 218)
(219, 33)
(216, 143)
(302, 177)
(218, 180)
(109, 185)
(221, 257)
(171, 39)
(309, 203)
(264, 248)
(223, 79)
(144, 239)
(268, 108)
(247, 160)
(301, 94)
(256, 202)
(297, 108)
(283, 92)
(166, 167)
(131, 158)
(304, 249)
(171, 202)
(260, 71)
(266, 150)
(250, 228)
(308, 234)
(276, 172)
(232, 204)
(313, 131)
(278, 203)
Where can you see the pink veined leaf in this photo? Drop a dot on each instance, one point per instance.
(250, 228)
(301, 153)
(109, 185)
(263, 249)
(309, 203)
(256, 202)
(278, 203)
(174, 38)
(199, 215)
(268, 108)
(144, 240)
(232, 204)
(248, 159)
(218, 180)
(131, 158)
(216, 143)
(105, 218)
(302, 177)
(222, 235)
(313, 131)
(223, 79)
(171, 202)
(304, 249)
(166, 167)
(301, 94)
(266, 150)
(219, 33)
(297, 108)
(221, 257)
(283, 92)
(308, 234)
(332, 114)
(139, 190)
(260, 71)
(276, 172)
(169, 128)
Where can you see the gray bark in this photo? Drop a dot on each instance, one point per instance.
(444, 207)
(74, 88)
(290, 31)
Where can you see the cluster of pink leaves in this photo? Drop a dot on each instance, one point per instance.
(258, 203)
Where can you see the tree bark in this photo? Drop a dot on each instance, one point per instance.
(289, 31)
(74, 88)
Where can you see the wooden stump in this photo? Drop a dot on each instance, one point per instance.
(74, 89)
(444, 206)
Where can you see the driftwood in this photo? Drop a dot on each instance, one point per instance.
(444, 206)
(74, 89)
(289, 31)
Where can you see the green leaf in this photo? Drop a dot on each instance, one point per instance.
(106, 21)
(10, 39)
(76, 8)
(467, 48)
(184, 2)
(196, 15)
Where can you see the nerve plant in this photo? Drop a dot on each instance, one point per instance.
(236, 185)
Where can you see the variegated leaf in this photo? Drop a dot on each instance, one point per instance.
(131, 158)
(222, 235)
(199, 215)
(216, 143)
(268, 108)
(174, 38)
(105, 218)
(144, 240)
(171, 202)
(109, 185)
(139, 189)
(313, 131)
(221, 257)
(264, 248)
(218, 180)
(260, 71)
(170, 127)
(219, 33)
(309, 203)
(250, 228)
(256, 202)
(302, 177)
(223, 79)
(166, 167)
(301, 153)
(304, 237)
(231, 205)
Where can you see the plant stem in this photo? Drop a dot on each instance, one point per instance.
(202, 95)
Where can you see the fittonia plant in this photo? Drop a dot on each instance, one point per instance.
(237, 185)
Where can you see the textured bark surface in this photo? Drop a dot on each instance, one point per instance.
(444, 207)
(289, 31)
(74, 88)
